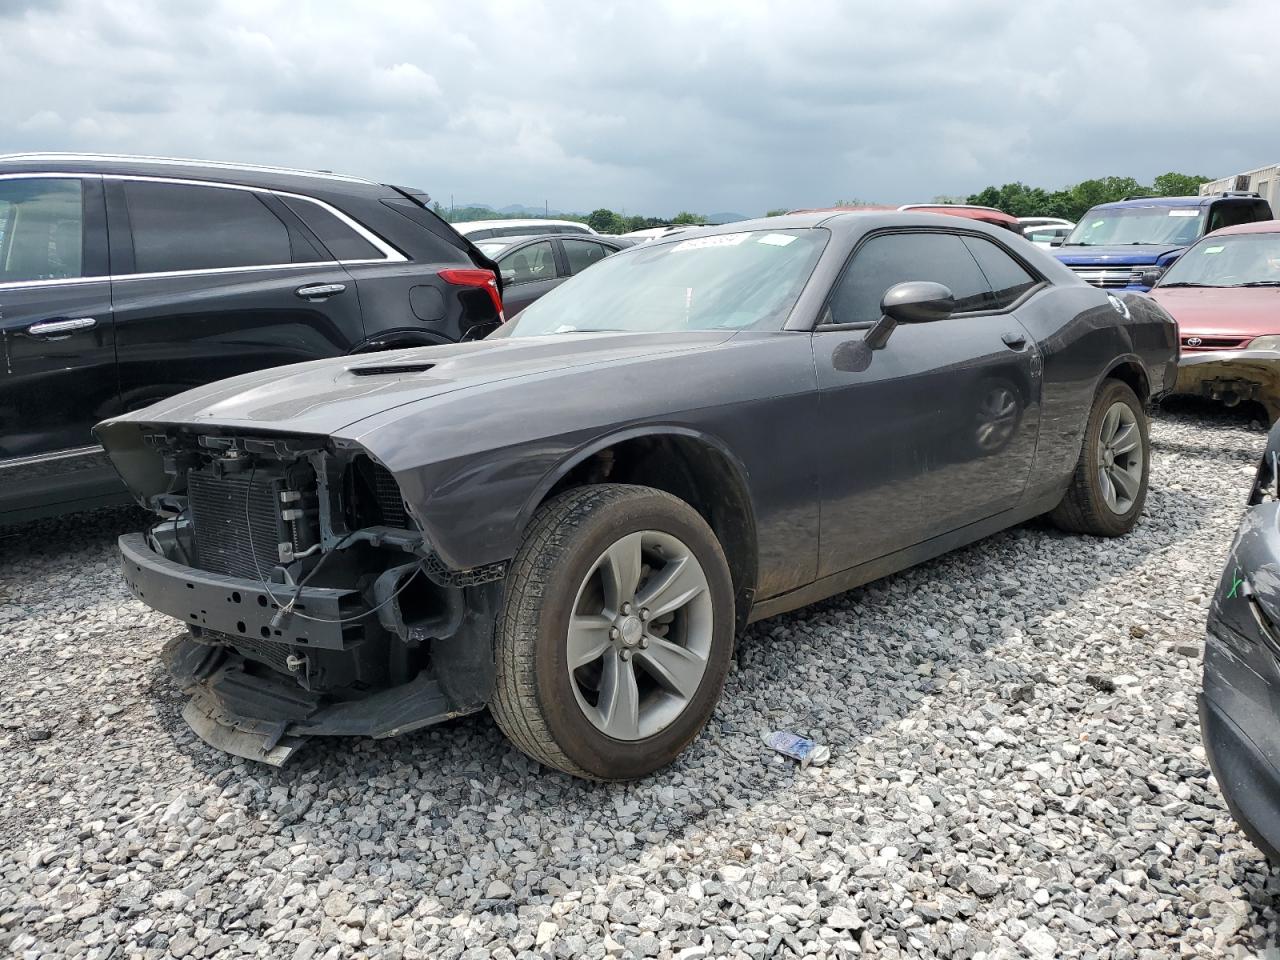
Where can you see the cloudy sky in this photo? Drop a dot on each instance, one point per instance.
(659, 105)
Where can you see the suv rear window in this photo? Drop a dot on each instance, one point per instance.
(341, 241)
(187, 227)
(41, 230)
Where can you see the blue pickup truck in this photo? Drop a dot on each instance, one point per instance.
(1128, 244)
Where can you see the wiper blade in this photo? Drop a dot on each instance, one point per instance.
(1186, 283)
(1261, 283)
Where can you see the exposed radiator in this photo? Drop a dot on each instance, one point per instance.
(223, 510)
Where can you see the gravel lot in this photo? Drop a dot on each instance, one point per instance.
(1016, 771)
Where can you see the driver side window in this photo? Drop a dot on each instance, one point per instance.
(894, 258)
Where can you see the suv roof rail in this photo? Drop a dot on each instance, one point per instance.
(55, 157)
(1240, 193)
(1141, 196)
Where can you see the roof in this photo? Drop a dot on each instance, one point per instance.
(213, 171)
(1259, 226)
(1164, 202)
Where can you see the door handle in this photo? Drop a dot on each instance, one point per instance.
(1014, 341)
(320, 291)
(55, 328)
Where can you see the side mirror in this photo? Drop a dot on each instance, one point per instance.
(1057, 241)
(916, 301)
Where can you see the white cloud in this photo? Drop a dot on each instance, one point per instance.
(658, 106)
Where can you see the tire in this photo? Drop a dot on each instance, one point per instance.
(1085, 507)
(565, 566)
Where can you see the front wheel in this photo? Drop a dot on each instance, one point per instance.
(616, 632)
(1109, 485)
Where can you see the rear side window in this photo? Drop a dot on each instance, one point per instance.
(889, 259)
(182, 227)
(1234, 214)
(1008, 278)
(41, 230)
(583, 253)
(340, 240)
(534, 262)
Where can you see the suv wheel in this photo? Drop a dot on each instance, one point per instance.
(1109, 485)
(616, 632)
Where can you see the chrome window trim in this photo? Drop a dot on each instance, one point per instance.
(390, 253)
(14, 462)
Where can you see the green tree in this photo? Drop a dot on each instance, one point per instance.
(1016, 199)
(775, 212)
(1177, 184)
(1089, 193)
(604, 220)
(685, 217)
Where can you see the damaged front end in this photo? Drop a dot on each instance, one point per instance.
(313, 603)
(1232, 377)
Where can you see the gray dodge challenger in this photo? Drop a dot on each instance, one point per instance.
(569, 521)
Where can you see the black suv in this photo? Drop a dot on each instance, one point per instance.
(124, 280)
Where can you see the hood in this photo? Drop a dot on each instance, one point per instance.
(324, 396)
(1222, 311)
(1129, 255)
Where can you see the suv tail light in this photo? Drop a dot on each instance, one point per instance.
(479, 279)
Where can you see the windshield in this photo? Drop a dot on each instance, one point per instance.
(1250, 259)
(729, 281)
(1134, 225)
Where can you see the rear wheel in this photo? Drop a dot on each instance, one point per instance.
(616, 632)
(1109, 486)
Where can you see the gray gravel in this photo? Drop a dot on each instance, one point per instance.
(1016, 772)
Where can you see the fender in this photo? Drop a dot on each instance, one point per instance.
(604, 441)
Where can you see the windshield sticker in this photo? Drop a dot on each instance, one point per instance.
(723, 240)
(777, 239)
(1096, 224)
(1209, 250)
(1184, 213)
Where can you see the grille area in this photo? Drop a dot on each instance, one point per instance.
(373, 496)
(1214, 343)
(223, 509)
(1109, 278)
(387, 492)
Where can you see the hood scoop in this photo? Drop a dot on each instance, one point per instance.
(390, 369)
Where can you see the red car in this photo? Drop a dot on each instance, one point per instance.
(1225, 294)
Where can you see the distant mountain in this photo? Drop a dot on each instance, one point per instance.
(717, 218)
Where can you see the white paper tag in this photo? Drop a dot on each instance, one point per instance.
(721, 240)
(1184, 213)
(777, 239)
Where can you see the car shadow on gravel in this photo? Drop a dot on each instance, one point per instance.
(94, 529)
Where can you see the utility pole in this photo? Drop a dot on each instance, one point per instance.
(451, 212)
(546, 208)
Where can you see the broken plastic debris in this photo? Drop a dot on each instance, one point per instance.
(798, 748)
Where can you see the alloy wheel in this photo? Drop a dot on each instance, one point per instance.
(1120, 458)
(640, 635)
